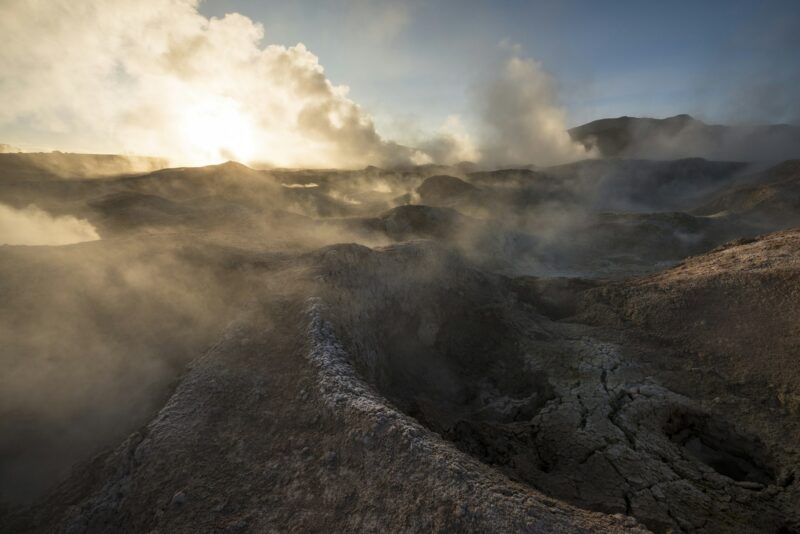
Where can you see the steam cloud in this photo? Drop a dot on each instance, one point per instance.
(156, 77)
(162, 79)
(522, 122)
(32, 226)
(92, 335)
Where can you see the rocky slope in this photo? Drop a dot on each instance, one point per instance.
(273, 429)
(571, 410)
(768, 199)
(321, 351)
(470, 409)
(735, 310)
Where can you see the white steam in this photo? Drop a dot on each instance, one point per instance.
(32, 226)
(449, 145)
(155, 77)
(161, 79)
(520, 117)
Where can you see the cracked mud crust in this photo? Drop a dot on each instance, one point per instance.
(468, 407)
(422, 385)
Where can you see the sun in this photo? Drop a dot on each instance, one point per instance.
(215, 129)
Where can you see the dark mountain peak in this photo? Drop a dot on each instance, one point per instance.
(681, 117)
(232, 166)
(683, 136)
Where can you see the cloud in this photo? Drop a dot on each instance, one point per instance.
(32, 226)
(158, 78)
(449, 144)
(520, 117)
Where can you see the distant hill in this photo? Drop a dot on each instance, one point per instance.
(15, 165)
(684, 136)
(771, 196)
(8, 149)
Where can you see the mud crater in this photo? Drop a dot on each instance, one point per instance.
(465, 369)
(461, 372)
(718, 445)
(547, 403)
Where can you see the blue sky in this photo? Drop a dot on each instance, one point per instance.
(418, 60)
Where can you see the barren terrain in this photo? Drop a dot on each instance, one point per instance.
(604, 346)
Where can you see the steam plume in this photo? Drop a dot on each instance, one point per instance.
(32, 226)
(158, 78)
(521, 119)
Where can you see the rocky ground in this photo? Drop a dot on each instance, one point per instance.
(361, 361)
(601, 417)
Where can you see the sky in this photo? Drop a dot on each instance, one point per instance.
(419, 58)
(349, 82)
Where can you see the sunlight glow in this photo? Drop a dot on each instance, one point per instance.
(216, 130)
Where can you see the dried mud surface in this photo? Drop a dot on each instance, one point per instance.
(333, 355)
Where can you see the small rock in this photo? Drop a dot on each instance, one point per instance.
(179, 499)
(749, 485)
(240, 524)
(330, 458)
(219, 507)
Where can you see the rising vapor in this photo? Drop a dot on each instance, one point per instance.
(521, 120)
(32, 226)
(158, 78)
